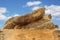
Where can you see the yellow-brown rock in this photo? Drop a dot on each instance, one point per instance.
(36, 19)
(33, 26)
(24, 20)
(25, 34)
(47, 17)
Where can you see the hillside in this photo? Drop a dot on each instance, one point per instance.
(32, 26)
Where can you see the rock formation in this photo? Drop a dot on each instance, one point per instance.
(32, 26)
(24, 20)
(35, 20)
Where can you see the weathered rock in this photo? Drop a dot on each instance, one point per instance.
(34, 26)
(47, 17)
(34, 20)
(24, 20)
(43, 23)
(25, 34)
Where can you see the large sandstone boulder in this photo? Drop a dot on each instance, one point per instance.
(24, 20)
(34, 20)
(33, 26)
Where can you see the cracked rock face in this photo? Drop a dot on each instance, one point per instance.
(36, 20)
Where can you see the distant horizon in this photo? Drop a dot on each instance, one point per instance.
(12, 8)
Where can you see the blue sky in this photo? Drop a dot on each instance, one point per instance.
(12, 8)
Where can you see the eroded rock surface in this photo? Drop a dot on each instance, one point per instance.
(32, 26)
(36, 19)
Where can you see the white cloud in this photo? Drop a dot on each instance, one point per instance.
(13, 16)
(35, 8)
(2, 17)
(57, 18)
(16, 15)
(3, 10)
(54, 10)
(33, 3)
(9, 17)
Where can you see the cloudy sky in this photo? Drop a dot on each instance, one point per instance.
(12, 8)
